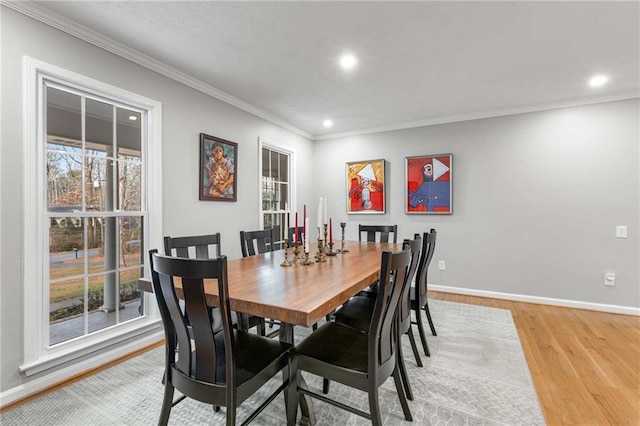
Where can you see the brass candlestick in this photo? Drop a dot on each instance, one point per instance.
(343, 250)
(306, 260)
(320, 257)
(296, 253)
(331, 252)
(286, 254)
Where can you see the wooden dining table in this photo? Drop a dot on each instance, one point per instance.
(296, 295)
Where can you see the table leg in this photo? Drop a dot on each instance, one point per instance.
(306, 405)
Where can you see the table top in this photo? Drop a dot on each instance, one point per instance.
(299, 295)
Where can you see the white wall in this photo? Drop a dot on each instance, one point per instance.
(536, 200)
(186, 113)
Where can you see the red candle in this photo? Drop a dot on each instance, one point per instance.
(330, 231)
(295, 232)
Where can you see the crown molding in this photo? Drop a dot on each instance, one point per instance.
(70, 27)
(620, 96)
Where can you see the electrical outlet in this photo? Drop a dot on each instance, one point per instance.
(441, 265)
(609, 279)
(621, 231)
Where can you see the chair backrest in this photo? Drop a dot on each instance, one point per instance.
(199, 243)
(291, 231)
(256, 242)
(428, 248)
(381, 333)
(378, 230)
(404, 314)
(196, 361)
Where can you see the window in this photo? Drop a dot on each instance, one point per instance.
(88, 147)
(275, 188)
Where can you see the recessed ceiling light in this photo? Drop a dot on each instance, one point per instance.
(348, 61)
(598, 80)
(133, 117)
(327, 123)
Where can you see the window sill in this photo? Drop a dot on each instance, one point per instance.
(147, 328)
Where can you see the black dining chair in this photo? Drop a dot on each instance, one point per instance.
(344, 354)
(257, 242)
(292, 231)
(419, 300)
(221, 369)
(199, 247)
(358, 311)
(380, 233)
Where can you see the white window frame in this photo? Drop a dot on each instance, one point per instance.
(37, 356)
(284, 149)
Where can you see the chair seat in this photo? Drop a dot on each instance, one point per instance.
(321, 345)
(254, 354)
(357, 312)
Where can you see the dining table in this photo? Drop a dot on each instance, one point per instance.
(297, 295)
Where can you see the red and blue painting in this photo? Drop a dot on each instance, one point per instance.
(428, 184)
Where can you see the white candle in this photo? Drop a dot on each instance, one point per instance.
(306, 238)
(324, 210)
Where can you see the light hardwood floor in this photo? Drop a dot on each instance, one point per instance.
(585, 364)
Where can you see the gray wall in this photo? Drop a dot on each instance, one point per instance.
(536, 200)
(186, 113)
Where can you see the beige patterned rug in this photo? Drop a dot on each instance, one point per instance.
(476, 375)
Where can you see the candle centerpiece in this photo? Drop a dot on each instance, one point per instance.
(286, 254)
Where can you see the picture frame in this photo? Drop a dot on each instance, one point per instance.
(365, 187)
(218, 169)
(428, 184)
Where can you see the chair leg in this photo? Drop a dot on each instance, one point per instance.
(403, 370)
(433, 329)
(292, 393)
(414, 347)
(325, 386)
(167, 401)
(261, 327)
(423, 337)
(403, 399)
(314, 327)
(216, 408)
(374, 407)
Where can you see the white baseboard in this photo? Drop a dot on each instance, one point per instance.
(40, 384)
(614, 309)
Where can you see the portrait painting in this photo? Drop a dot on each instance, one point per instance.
(428, 184)
(365, 187)
(218, 169)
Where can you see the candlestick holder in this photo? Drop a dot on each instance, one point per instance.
(320, 256)
(306, 261)
(331, 252)
(296, 253)
(286, 254)
(343, 250)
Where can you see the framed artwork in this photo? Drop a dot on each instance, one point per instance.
(365, 187)
(218, 165)
(428, 184)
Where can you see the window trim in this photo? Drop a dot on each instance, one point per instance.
(36, 356)
(284, 149)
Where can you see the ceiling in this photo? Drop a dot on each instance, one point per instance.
(418, 62)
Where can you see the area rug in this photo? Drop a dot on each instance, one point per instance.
(477, 375)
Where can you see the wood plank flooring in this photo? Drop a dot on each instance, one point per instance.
(585, 364)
